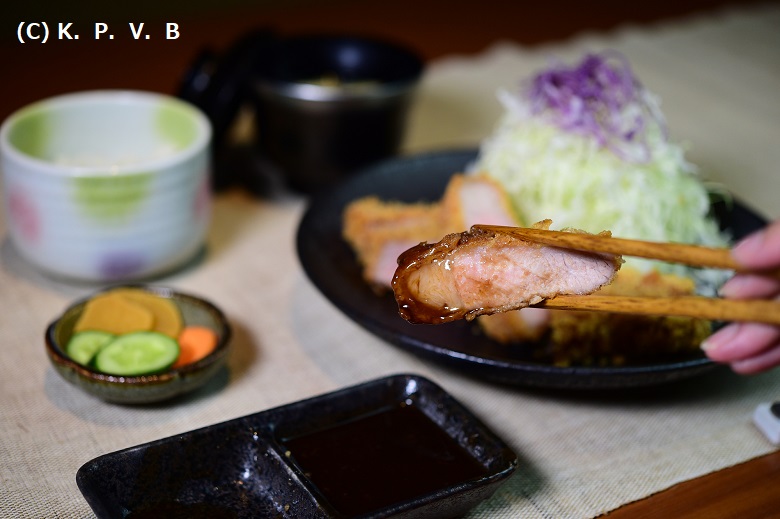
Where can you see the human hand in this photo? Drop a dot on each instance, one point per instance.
(750, 347)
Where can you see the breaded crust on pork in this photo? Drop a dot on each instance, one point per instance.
(380, 231)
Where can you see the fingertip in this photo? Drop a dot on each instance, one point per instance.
(748, 248)
(760, 363)
(745, 367)
(749, 286)
(760, 249)
(730, 288)
(714, 345)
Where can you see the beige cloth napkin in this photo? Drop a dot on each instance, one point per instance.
(580, 455)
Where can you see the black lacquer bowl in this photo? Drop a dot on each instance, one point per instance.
(330, 264)
(265, 465)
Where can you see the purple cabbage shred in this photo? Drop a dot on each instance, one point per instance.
(600, 98)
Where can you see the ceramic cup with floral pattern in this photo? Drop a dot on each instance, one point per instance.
(106, 185)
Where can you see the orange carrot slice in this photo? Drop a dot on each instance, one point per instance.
(195, 343)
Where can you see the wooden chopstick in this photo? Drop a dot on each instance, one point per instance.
(684, 306)
(758, 311)
(691, 255)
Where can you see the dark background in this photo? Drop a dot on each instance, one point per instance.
(434, 28)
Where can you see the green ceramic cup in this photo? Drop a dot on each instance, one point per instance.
(107, 185)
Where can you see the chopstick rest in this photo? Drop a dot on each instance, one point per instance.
(767, 419)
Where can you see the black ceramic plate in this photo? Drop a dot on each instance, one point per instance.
(330, 264)
(265, 465)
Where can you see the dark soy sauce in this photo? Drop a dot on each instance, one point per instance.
(381, 459)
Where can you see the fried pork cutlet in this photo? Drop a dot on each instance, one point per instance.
(380, 231)
(483, 272)
(588, 338)
(525, 325)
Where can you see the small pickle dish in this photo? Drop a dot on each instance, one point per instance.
(136, 344)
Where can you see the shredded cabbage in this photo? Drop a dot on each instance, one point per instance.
(587, 148)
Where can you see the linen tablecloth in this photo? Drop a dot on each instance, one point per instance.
(580, 455)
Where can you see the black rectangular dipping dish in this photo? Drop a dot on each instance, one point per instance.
(398, 446)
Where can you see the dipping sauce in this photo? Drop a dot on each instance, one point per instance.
(382, 459)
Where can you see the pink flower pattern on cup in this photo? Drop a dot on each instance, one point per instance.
(24, 216)
(201, 207)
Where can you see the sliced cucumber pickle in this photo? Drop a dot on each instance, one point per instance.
(137, 353)
(83, 346)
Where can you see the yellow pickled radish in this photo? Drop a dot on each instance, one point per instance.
(115, 314)
(167, 318)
